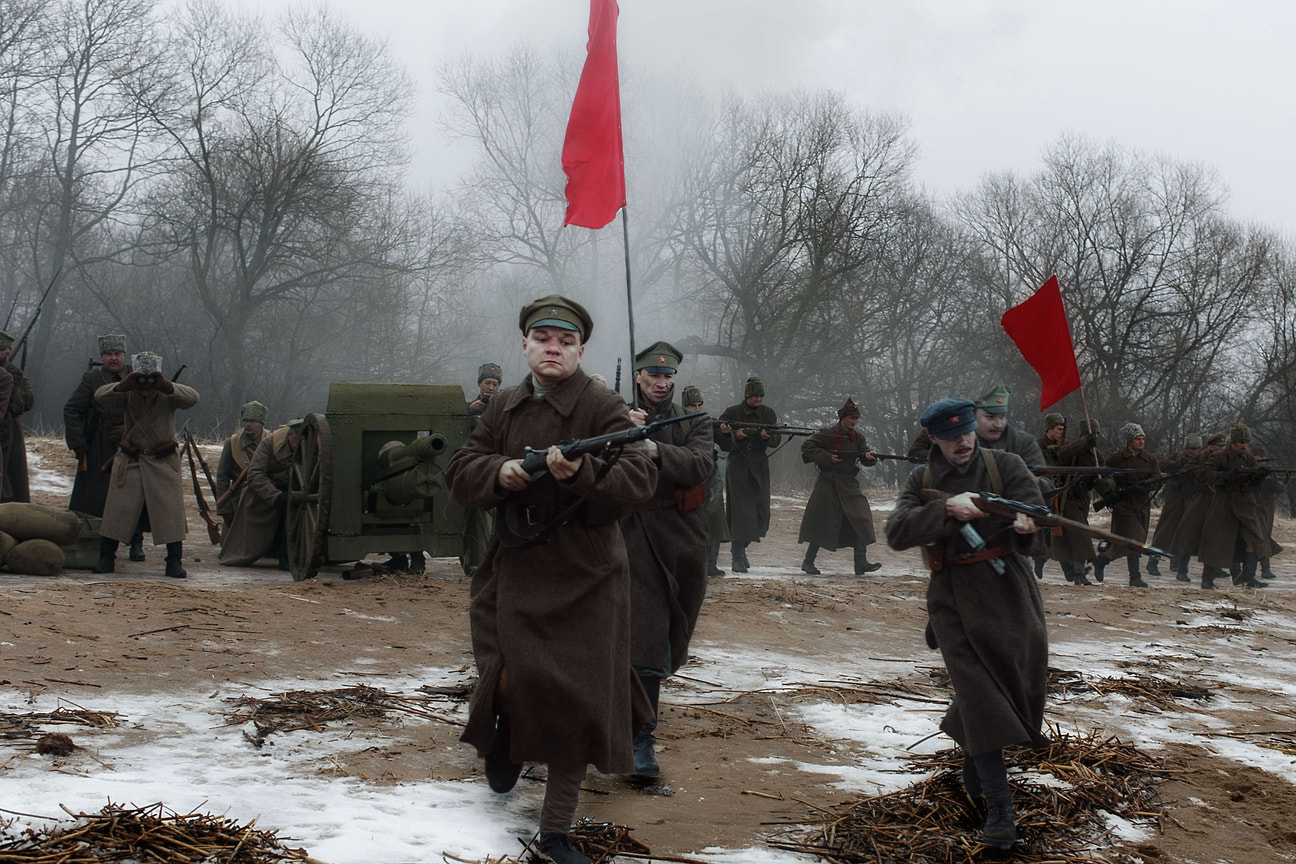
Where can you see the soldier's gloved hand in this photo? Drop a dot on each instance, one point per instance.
(1262, 472)
(1091, 439)
(130, 382)
(163, 384)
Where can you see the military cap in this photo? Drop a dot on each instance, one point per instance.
(6, 341)
(1089, 425)
(996, 401)
(1052, 419)
(659, 357)
(1193, 441)
(296, 423)
(489, 370)
(147, 362)
(1216, 438)
(254, 410)
(1130, 431)
(847, 410)
(753, 387)
(949, 418)
(691, 395)
(556, 311)
(1239, 432)
(112, 342)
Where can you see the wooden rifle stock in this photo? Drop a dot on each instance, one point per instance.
(213, 530)
(233, 487)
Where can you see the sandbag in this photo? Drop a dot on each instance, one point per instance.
(38, 522)
(35, 558)
(7, 542)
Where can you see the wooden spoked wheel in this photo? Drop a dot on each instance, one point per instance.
(310, 497)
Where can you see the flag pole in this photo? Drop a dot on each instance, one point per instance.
(625, 234)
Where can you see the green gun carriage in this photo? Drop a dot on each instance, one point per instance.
(369, 475)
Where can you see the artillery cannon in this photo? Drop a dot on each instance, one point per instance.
(369, 475)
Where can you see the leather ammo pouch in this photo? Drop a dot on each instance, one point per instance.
(688, 500)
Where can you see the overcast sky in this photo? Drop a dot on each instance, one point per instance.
(986, 86)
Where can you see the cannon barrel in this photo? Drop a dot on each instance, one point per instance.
(409, 471)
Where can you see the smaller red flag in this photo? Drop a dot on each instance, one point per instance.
(1039, 327)
(592, 154)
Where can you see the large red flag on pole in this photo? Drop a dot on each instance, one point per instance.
(1039, 327)
(592, 155)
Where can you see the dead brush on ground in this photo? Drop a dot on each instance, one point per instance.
(314, 709)
(28, 726)
(1062, 796)
(152, 833)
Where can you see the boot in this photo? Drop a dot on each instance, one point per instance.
(1208, 576)
(808, 565)
(1040, 561)
(1135, 580)
(862, 564)
(559, 849)
(1000, 830)
(417, 562)
(1181, 570)
(107, 556)
(738, 552)
(397, 562)
(1068, 570)
(1236, 572)
(501, 772)
(1099, 565)
(137, 547)
(1153, 568)
(713, 555)
(971, 782)
(645, 757)
(173, 568)
(1249, 579)
(1266, 568)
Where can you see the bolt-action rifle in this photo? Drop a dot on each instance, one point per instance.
(534, 462)
(213, 529)
(1082, 470)
(794, 431)
(22, 340)
(899, 458)
(989, 502)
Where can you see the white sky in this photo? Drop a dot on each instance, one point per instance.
(987, 84)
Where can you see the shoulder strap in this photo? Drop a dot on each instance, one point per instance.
(996, 482)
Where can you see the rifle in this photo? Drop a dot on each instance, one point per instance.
(897, 456)
(22, 342)
(1268, 470)
(1082, 470)
(233, 487)
(794, 431)
(213, 530)
(998, 505)
(189, 439)
(533, 462)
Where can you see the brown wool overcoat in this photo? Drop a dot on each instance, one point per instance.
(1175, 492)
(747, 476)
(93, 430)
(555, 615)
(1232, 516)
(14, 484)
(155, 481)
(1132, 512)
(667, 548)
(1185, 539)
(1071, 545)
(258, 515)
(838, 513)
(990, 627)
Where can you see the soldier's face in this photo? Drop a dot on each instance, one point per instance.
(4, 354)
(252, 428)
(693, 407)
(1137, 442)
(755, 401)
(113, 361)
(488, 386)
(958, 451)
(552, 353)
(848, 423)
(990, 426)
(656, 386)
(1056, 434)
(1238, 446)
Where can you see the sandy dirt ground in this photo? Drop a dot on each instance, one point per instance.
(731, 755)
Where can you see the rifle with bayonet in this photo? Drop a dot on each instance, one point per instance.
(213, 530)
(899, 458)
(22, 341)
(534, 462)
(998, 505)
(793, 431)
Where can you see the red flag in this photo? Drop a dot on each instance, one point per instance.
(1039, 327)
(592, 156)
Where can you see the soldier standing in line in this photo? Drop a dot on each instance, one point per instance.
(550, 608)
(92, 432)
(747, 477)
(1231, 534)
(838, 512)
(258, 529)
(714, 508)
(13, 447)
(146, 468)
(1176, 490)
(1185, 541)
(1130, 499)
(1071, 549)
(1266, 492)
(489, 376)
(234, 459)
(665, 539)
(1054, 437)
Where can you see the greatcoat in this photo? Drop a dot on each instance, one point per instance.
(838, 513)
(13, 483)
(1175, 492)
(1185, 540)
(92, 432)
(1132, 512)
(234, 458)
(150, 480)
(990, 627)
(667, 547)
(1014, 440)
(1073, 503)
(1266, 494)
(1232, 517)
(257, 523)
(717, 522)
(554, 615)
(747, 476)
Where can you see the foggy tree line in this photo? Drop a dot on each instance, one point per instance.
(234, 194)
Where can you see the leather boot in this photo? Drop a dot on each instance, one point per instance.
(1181, 570)
(1068, 570)
(1040, 561)
(1099, 565)
(417, 562)
(738, 552)
(862, 564)
(137, 547)
(1249, 579)
(559, 849)
(107, 556)
(1135, 580)
(808, 565)
(645, 756)
(1208, 576)
(173, 568)
(501, 771)
(1153, 568)
(713, 558)
(1266, 568)
(971, 781)
(1000, 830)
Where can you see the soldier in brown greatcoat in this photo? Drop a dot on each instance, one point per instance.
(1266, 493)
(1055, 426)
(1072, 549)
(1130, 499)
(550, 608)
(838, 512)
(146, 469)
(13, 482)
(235, 456)
(257, 529)
(713, 510)
(1175, 493)
(1185, 540)
(1231, 533)
(665, 539)
(747, 476)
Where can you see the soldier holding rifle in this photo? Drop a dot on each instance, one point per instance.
(1129, 495)
(550, 608)
(838, 512)
(231, 470)
(747, 477)
(1231, 537)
